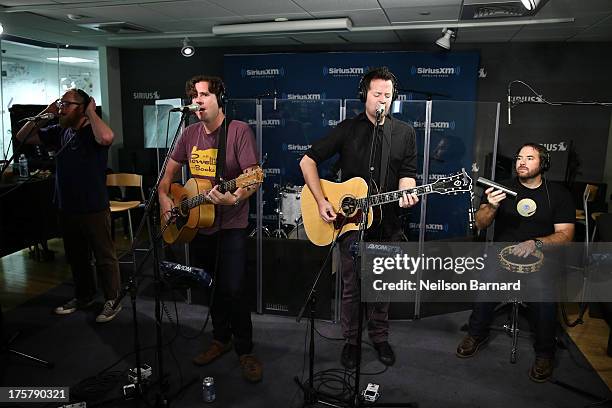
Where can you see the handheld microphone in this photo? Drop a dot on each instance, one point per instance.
(174, 270)
(42, 116)
(194, 107)
(496, 186)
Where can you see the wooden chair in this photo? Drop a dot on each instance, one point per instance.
(125, 180)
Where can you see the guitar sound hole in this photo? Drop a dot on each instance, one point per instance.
(348, 206)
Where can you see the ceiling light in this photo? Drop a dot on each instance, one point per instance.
(70, 60)
(324, 24)
(187, 50)
(530, 4)
(1, 28)
(281, 19)
(445, 40)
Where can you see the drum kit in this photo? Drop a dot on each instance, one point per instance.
(289, 213)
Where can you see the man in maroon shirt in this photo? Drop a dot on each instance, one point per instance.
(225, 240)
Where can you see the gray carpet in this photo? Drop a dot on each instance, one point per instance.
(426, 371)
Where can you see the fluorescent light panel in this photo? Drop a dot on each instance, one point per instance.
(70, 60)
(328, 24)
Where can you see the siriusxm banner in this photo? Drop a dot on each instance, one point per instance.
(296, 89)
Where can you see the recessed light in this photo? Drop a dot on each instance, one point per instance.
(281, 19)
(425, 13)
(75, 31)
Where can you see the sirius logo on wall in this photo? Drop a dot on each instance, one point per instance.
(435, 125)
(338, 72)
(291, 147)
(268, 123)
(555, 147)
(435, 72)
(298, 96)
(330, 122)
(147, 96)
(260, 73)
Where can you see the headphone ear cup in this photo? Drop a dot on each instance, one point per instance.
(362, 92)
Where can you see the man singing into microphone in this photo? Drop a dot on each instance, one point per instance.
(222, 247)
(81, 141)
(394, 144)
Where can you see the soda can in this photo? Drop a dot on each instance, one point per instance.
(209, 394)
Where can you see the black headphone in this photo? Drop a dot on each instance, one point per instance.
(221, 95)
(542, 151)
(375, 73)
(85, 96)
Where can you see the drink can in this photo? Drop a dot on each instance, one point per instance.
(209, 394)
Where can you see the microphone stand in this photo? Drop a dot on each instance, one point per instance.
(21, 144)
(356, 401)
(149, 218)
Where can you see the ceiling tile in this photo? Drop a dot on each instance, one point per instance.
(360, 18)
(401, 15)
(322, 6)
(259, 7)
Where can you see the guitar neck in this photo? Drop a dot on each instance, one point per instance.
(384, 198)
(201, 198)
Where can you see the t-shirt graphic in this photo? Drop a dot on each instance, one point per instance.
(203, 162)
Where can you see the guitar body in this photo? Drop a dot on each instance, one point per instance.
(187, 223)
(340, 195)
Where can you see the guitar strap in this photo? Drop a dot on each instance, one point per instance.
(385, 153)
(221, 148)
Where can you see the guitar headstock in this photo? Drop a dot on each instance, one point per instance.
(453, 184)
(254, 176)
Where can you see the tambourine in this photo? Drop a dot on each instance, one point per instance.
(520, 267)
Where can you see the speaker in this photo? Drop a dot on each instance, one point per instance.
(289, 267)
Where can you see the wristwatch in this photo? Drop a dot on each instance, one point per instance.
(539, 244)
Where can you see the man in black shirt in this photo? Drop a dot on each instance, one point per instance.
(81, 141)
(542, 215)
(394, 166)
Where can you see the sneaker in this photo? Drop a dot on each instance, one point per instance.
(349, 356)
(385, 353)
(108, 313)
(541, 369)
(252, 370)
(214, 351)
(71, 306)
(470, 345)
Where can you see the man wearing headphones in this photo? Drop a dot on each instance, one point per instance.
(542, 215)
(393, 145)
(221, 247)
(81, 140)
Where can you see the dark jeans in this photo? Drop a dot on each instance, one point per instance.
(84, 233)
(377, 314)
(230, 311)
(543, 319)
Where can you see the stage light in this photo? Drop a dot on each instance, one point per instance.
(445, 40)
(530, 4)
(188, 50)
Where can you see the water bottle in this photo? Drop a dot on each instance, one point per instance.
(23, 167)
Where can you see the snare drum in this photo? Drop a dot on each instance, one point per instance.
(291, 212)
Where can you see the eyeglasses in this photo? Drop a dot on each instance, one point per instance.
(64, 104)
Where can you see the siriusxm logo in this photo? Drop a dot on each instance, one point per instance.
(271, 171)
(556, 147)
(432, 176)
(295, 147)
(344, 72)
(268, 122)
(293, 96)
(262, 73)
(435, 72)
(523, 99)
(429, 227)
(434, 125)
(145, 95)
(330, 122)
(404, 97)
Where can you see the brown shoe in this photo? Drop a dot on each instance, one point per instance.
(214, 351)
(252, 370)
(470, 345)
(541, 370)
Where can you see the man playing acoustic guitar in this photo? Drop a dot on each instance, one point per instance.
(394, 163)
(225, 241)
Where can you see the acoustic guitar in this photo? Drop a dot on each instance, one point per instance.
(192, 209)
(349, 200)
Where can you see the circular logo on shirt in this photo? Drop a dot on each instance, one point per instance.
(526, 207)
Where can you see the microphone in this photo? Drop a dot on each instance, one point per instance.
(509, 109)
(496, 186)
(275, 99)
(42, 116)
(380, 111)
(174, 270)
(194, 107)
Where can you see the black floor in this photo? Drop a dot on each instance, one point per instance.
(426, 371)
